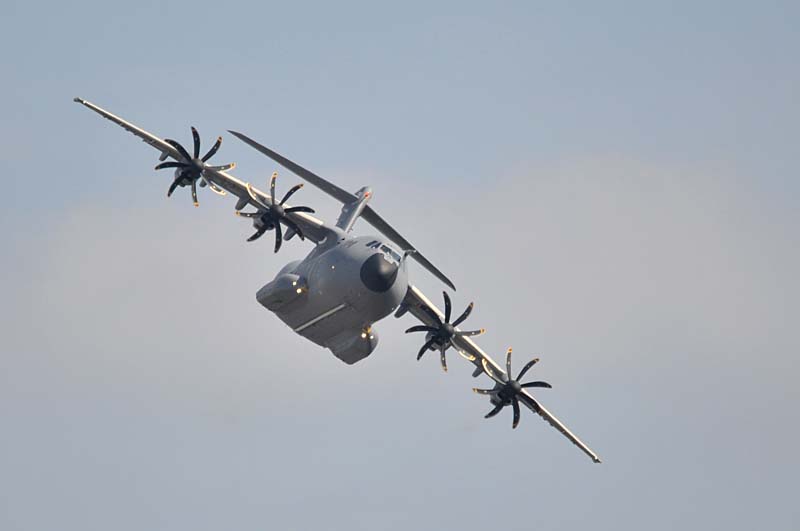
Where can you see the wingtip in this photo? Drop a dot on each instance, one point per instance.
(78, 100)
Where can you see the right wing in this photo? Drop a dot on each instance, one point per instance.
(313, 228)
(344, 196)
(418, 305)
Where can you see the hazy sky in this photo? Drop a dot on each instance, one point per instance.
(614, 185)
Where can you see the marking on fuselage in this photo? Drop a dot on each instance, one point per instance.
(319, 318)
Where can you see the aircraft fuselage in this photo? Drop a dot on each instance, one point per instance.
(334, 295)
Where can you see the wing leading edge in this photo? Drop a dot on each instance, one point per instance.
(415, 302)
(313, 228)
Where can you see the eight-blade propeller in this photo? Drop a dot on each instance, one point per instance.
(443, 333)
(505, 392)
(189, 168)
(269, 217)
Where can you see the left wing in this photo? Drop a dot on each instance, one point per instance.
(419, 306)
(313, 228)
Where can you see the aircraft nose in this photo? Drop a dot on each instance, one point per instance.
(378, 274)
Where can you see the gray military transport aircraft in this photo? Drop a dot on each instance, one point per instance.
(335, 294)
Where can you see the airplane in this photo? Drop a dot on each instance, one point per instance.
(347, 283)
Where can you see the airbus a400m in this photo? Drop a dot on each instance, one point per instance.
(334, 295)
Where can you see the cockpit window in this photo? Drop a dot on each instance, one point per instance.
(375, 244)
(391, 252)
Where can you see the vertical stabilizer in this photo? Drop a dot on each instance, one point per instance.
(353, 209)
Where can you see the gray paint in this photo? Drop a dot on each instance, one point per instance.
(330, 278)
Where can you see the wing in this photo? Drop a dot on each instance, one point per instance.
(414, 303)
(313, 228)
(344, 196)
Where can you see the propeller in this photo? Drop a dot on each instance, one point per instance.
(506, 392)
(269, 217)
(443, 333)
(190, 168)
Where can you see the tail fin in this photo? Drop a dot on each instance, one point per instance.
(352, 210)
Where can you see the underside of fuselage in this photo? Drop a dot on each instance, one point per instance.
(335, 295)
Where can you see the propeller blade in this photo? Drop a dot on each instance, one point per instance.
(299, 209)
(527, 366)
(470, 333)
(224, 167)
(247, 214)
(486, 391)
(448, 307)
(194, 192)
(442, 350)
(421, 328)
(536, 384)
(425, 347)
(216, 189)
(180, 148)
(508, 363)
(515, 405)
(292, 225)
(488, 370)
(291, 192)
(495, 411)
(196, 139)
(213, 149)
(173, 186)
(260, 232)
(255, 198)
(464, 315)
(171, 164)
(241, 203)
(272, 186)
(278, 236)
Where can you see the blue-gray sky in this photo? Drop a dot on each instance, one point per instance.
(614, 185)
